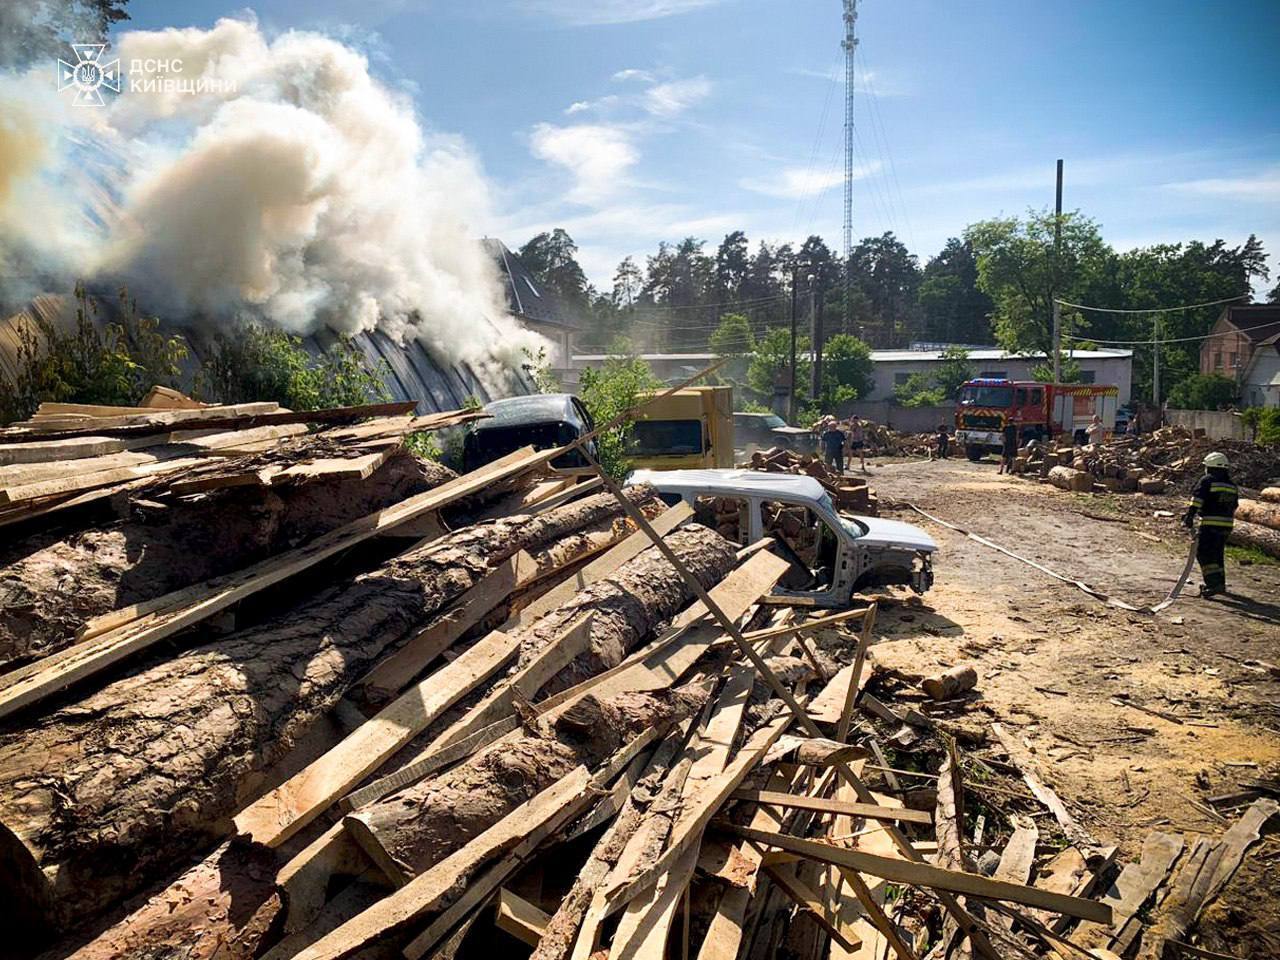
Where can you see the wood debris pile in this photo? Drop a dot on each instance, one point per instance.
(505, 713)
(885, 441)
(848, 493)
(1168, 459)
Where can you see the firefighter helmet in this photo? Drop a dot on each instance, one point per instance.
(1216, 459)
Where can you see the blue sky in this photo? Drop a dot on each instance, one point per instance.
(633, 121)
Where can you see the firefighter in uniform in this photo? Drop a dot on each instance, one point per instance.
(1214, 498)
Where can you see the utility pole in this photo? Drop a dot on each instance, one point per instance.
(791, 393)
(1057, 259)
(849, 44)
(1155, 365)
(816, 338)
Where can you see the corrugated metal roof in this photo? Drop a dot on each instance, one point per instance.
(411, 371)
(527, 297)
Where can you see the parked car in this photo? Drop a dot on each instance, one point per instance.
(766, 430)
(541, 420)
(834, 555)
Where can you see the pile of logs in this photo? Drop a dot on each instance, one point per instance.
(1168, 459)
(848, 493)
(500, 714)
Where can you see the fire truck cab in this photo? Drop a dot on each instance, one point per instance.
(986, 406)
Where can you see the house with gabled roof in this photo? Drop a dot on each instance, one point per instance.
(535, 305)
(1245, 345)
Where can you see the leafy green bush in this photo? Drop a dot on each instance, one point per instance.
(918, 391)
(115, 366)
(1204, 392)
(261, 363)
(1264, 422)
(609, 392)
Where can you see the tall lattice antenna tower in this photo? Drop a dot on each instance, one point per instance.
(850, 44)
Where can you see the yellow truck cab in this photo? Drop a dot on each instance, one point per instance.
(689, 429)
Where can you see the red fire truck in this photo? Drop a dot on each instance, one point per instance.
(1039, 410)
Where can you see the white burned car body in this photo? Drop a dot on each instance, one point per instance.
(834, 555)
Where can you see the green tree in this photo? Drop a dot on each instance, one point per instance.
(1204, 392)
(732, 263)
(1022, 271)
(846, 370)
(919, 390)
(885, 278)
(953, 371)
(37, 30)
(953, 309)
(1167, 275)
(732, 338)
(255, 362)
(609, 392)
(552, 258)
(771, 362)
(108, 363)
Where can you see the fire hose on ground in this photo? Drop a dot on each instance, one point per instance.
(1091, 591)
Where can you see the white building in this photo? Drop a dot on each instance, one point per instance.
(893, 367)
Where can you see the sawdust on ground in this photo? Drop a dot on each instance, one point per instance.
(1068, 673)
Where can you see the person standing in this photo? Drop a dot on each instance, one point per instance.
(833, 445)
(857, 442)
(1010, 448)
(944, 442)
(1215, 498)
(1095, 431)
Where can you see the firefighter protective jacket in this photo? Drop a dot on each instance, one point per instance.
(1215, 498)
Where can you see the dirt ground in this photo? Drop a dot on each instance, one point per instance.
(1068, 674)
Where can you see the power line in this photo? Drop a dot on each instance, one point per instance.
(1162, 341)
(1189, 306)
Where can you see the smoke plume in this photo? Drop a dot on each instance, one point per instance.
(270, 177)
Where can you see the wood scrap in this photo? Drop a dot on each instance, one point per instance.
(1021, 758)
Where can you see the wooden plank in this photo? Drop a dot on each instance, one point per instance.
(643, 930)
(520, 918)
(598, 569)
(392, 674)
(437, 760)
(820, 805)
(194, 604)
(1021, 758)
(1199, 882)
(856, 683)
(715, 742)
(694, 818)
(23, 483)
(572, 491)
(78, 448)
(226, 418)
(875, 913)
(789, 883)
(806, 626)
(921, 874)
(276, 816)
(1131, 889)
(571, 642)
(526, 826)
(1019, 854)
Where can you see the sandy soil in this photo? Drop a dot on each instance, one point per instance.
(1068, 673)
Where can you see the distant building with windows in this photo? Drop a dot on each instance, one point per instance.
(893, 367)
(536, 307)
(1245, 346)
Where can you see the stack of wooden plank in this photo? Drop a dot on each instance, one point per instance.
(502, 713)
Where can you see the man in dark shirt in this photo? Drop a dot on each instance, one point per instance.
(1214, 498)
(833, 446)
(1010, 449)
(944, 442)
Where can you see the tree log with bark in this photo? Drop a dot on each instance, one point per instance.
(414, 825)
(1256, 536)
(105, 794)
(52, 583)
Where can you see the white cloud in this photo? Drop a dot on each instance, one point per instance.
(864, 81)
(598, 156)
(596, 12)
(1262, 187)
(794, 183)
(586, 106)
(631, 73)
(676, 96)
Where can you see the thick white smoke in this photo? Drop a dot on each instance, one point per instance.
(291, 185)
